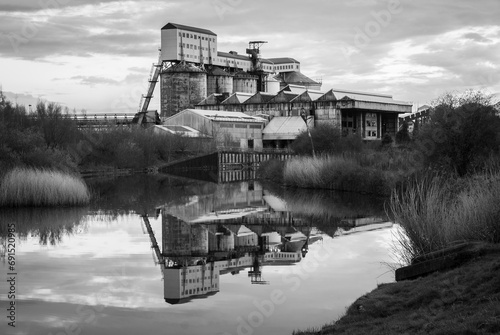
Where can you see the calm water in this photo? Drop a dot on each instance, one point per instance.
(239, 258)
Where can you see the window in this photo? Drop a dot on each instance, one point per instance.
(180, 35)
(371, 124)
(183, 35)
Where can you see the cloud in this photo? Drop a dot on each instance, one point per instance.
(411, 53)
(476, 37)
(94, 80)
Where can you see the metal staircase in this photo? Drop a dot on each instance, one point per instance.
(153, 79)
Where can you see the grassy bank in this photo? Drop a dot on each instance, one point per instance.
(435, 212)
(33, 187)
(465, 300)
(373, 172)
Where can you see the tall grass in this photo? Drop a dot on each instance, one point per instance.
(435, 212)
(337, 173)
(32, 187)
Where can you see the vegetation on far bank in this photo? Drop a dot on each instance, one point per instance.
(49, 138)
(43, 153)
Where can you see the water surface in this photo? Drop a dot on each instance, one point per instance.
(238, 258)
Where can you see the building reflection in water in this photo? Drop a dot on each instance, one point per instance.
(236, 228)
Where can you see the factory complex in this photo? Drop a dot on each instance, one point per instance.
(250, 102)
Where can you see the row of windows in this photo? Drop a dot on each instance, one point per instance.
(194, 47)
(286, 256)
(196, 37)
(193, 291)
(230, 125)
(285, 67)
(191, 281)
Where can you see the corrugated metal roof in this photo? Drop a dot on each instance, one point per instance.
(171, 25)
(225, 116)
(284, 128)
(237, 98)
(339, 94)
(283, 96)
(308, 96)
(180, 130)
(260, 97)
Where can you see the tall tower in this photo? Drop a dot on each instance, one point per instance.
(253, 52)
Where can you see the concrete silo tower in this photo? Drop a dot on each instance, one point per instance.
(182, 86)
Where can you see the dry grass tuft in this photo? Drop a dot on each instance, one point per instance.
(435, 213)
(33, 187)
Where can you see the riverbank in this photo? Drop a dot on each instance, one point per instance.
(372, 171)
(464, 300)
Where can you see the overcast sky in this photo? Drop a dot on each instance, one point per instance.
(97, 55)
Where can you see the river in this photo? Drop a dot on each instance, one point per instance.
(170, 255)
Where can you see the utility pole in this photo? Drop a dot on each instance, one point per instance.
(305, 118)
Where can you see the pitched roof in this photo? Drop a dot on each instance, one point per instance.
(237, 98)
(337, 94)
(282, 60)
(217, 71)
(222, 116)
(230, 55)
(309, 95)
(284, 128)
(171, 25)
(295, 77)
(260, 97)
(283, 96)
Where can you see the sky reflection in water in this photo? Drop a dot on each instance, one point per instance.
(99, 274)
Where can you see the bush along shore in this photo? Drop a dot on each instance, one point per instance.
(33, 187)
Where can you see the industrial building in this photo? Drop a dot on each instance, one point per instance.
(195, 75)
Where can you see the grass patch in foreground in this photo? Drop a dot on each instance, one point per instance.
(465, 300)
(31, 187)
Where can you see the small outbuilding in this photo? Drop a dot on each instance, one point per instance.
(228, 129)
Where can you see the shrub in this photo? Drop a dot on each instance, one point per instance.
(403, 135)
(33, 187)
(386, 140)
(327, 138)
(463, 132)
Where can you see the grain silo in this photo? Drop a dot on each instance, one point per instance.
(219, 81)
(244, 82)
(272, 85)
(182, 86)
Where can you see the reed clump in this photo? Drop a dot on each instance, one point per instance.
(435, 212)
(337, 172)
(34, 187)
